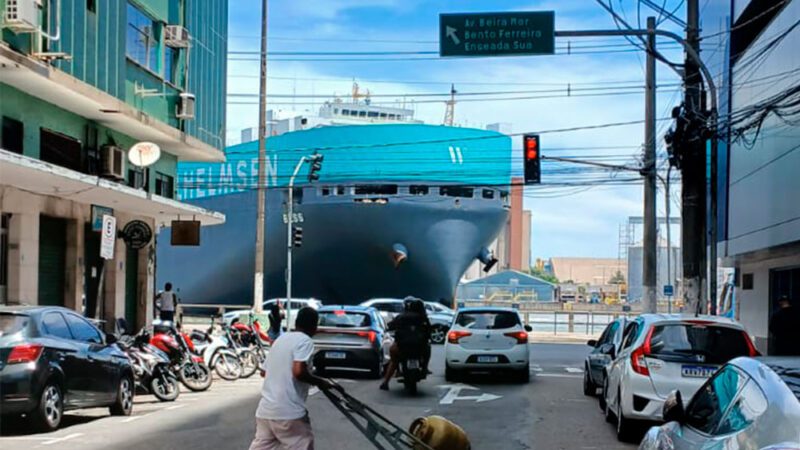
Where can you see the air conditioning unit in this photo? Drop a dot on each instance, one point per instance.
(177, 36)
(112, 162)
(185, 106)
(22, 16)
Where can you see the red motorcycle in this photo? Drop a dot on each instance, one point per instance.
(189, 367)
(252, 337)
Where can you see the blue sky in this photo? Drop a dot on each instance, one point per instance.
(565, 221)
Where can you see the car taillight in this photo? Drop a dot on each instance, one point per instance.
(25, 353)
(520, 336)
(454, 336)
(371, 335)
(638, 360)
(750, 347)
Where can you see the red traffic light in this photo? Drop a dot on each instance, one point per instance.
(531, 147)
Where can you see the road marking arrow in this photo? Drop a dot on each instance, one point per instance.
(451, 33)
(455, 389)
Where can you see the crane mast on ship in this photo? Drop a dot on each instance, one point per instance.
(450, 109)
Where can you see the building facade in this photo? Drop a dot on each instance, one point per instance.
(81, 82)
(756, 66)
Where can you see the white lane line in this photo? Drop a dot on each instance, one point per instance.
(134, 418)
(65, 438)
(536, 368)
(557, 375)
(573, 370)
(171, 408)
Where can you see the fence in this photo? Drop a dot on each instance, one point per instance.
(571, 322)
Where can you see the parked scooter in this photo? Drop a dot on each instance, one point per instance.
(190, 368)
(214, 349)
(151, 367)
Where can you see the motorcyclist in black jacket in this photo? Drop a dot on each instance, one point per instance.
(412, 332)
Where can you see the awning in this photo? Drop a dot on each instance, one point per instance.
(39, 177)
(54, 86)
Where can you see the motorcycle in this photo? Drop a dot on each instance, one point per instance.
(151, 367)
(214, 349)
(248, 359)
(252, 337)
(190, 368)
(411, 369)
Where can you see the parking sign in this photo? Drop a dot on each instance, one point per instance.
(108, 237)
(668, 290)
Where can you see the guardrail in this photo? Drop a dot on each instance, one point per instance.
(571, 322)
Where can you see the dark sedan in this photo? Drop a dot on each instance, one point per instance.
(351, 338)
(52, 360)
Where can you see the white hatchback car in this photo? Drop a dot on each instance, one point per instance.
(492, 339)
(664, 352)
(295, 305)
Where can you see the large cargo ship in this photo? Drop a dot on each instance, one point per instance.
(401, 208)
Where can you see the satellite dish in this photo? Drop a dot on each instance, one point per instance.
(144, 154)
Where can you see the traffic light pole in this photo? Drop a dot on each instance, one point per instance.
(289, 243)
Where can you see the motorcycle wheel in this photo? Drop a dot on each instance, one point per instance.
(195, 376)
(228, 367)
(165, 387)
(262, 355)
(249, 361)
(410, 385)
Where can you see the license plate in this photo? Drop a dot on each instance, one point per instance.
(335, 355)
(691, 371)
(412, 364)
(488, 359)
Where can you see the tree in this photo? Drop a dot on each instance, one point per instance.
(541, 274)
(618, 278)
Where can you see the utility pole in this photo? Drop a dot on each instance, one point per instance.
(693, 195)
(650, 250)
(258, 281)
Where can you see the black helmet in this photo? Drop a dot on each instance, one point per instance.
(413, 304)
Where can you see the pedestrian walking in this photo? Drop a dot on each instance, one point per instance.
(274, 330)
(785, 328)
(281, 418)
(166, 301)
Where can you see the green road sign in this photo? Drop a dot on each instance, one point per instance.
(497, 34)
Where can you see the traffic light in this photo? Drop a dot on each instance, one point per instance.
(532, 158)
(297, 236)
(316, 165)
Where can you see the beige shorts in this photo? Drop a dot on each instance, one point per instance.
(283, 435)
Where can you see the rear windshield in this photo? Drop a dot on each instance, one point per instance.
(790, 376)
(344, 319)
(487, 320)
(12, 323)
(700, 343)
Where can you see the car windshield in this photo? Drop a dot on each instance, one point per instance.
(11, 323)
(700, 342)
(344, 319)
(487, 320)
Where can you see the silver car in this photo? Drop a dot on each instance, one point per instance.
(750, 403)
(440, 316)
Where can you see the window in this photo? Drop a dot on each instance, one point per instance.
(165, 185)
(750, 404)
(326, 192)
(344, 319)
(12, 135)
(91, 6)
(61, 150)
(376, 189)
(171, 65)
(698, 343)
(456, 191)
(12, 323)
(83, 330)
(142, 42)
(53, 324)
(747, 281)
(339, 190)
(137, 180)
(392, 307)
(488, 194)
(630, 334)
(362, 114)
(372, 114)
(488, 320)
(712, 400)
(418, 190)
(336, 110)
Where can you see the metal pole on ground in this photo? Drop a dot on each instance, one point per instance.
(289, 243)
(650, 250)
(258, 281)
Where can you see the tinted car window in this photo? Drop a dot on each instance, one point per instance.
(12, 323)
(712, 400)
(344, 319)
(750, 404)
(630, 334)
(702, 343)
(480, 320)
(53, 324)
(83, 330)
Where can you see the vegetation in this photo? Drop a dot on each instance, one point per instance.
(618, 278)
(541, 274)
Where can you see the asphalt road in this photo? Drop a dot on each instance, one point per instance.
(550, 412)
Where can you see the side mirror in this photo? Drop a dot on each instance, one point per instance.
(111, 339)
(592, 343)
(609, 350)
(528, 328)
(673, 410)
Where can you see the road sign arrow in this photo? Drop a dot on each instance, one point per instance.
(485, 398)
(453, 391)
(451, 33)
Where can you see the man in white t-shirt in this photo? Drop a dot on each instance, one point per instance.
(165, 303)
(281, 418)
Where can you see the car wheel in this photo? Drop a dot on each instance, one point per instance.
(48, 413)
(589, 388)
(438, 334)
(451, 374)
(523, 376)
(624, 426)
(377, 369)
(123, 404)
